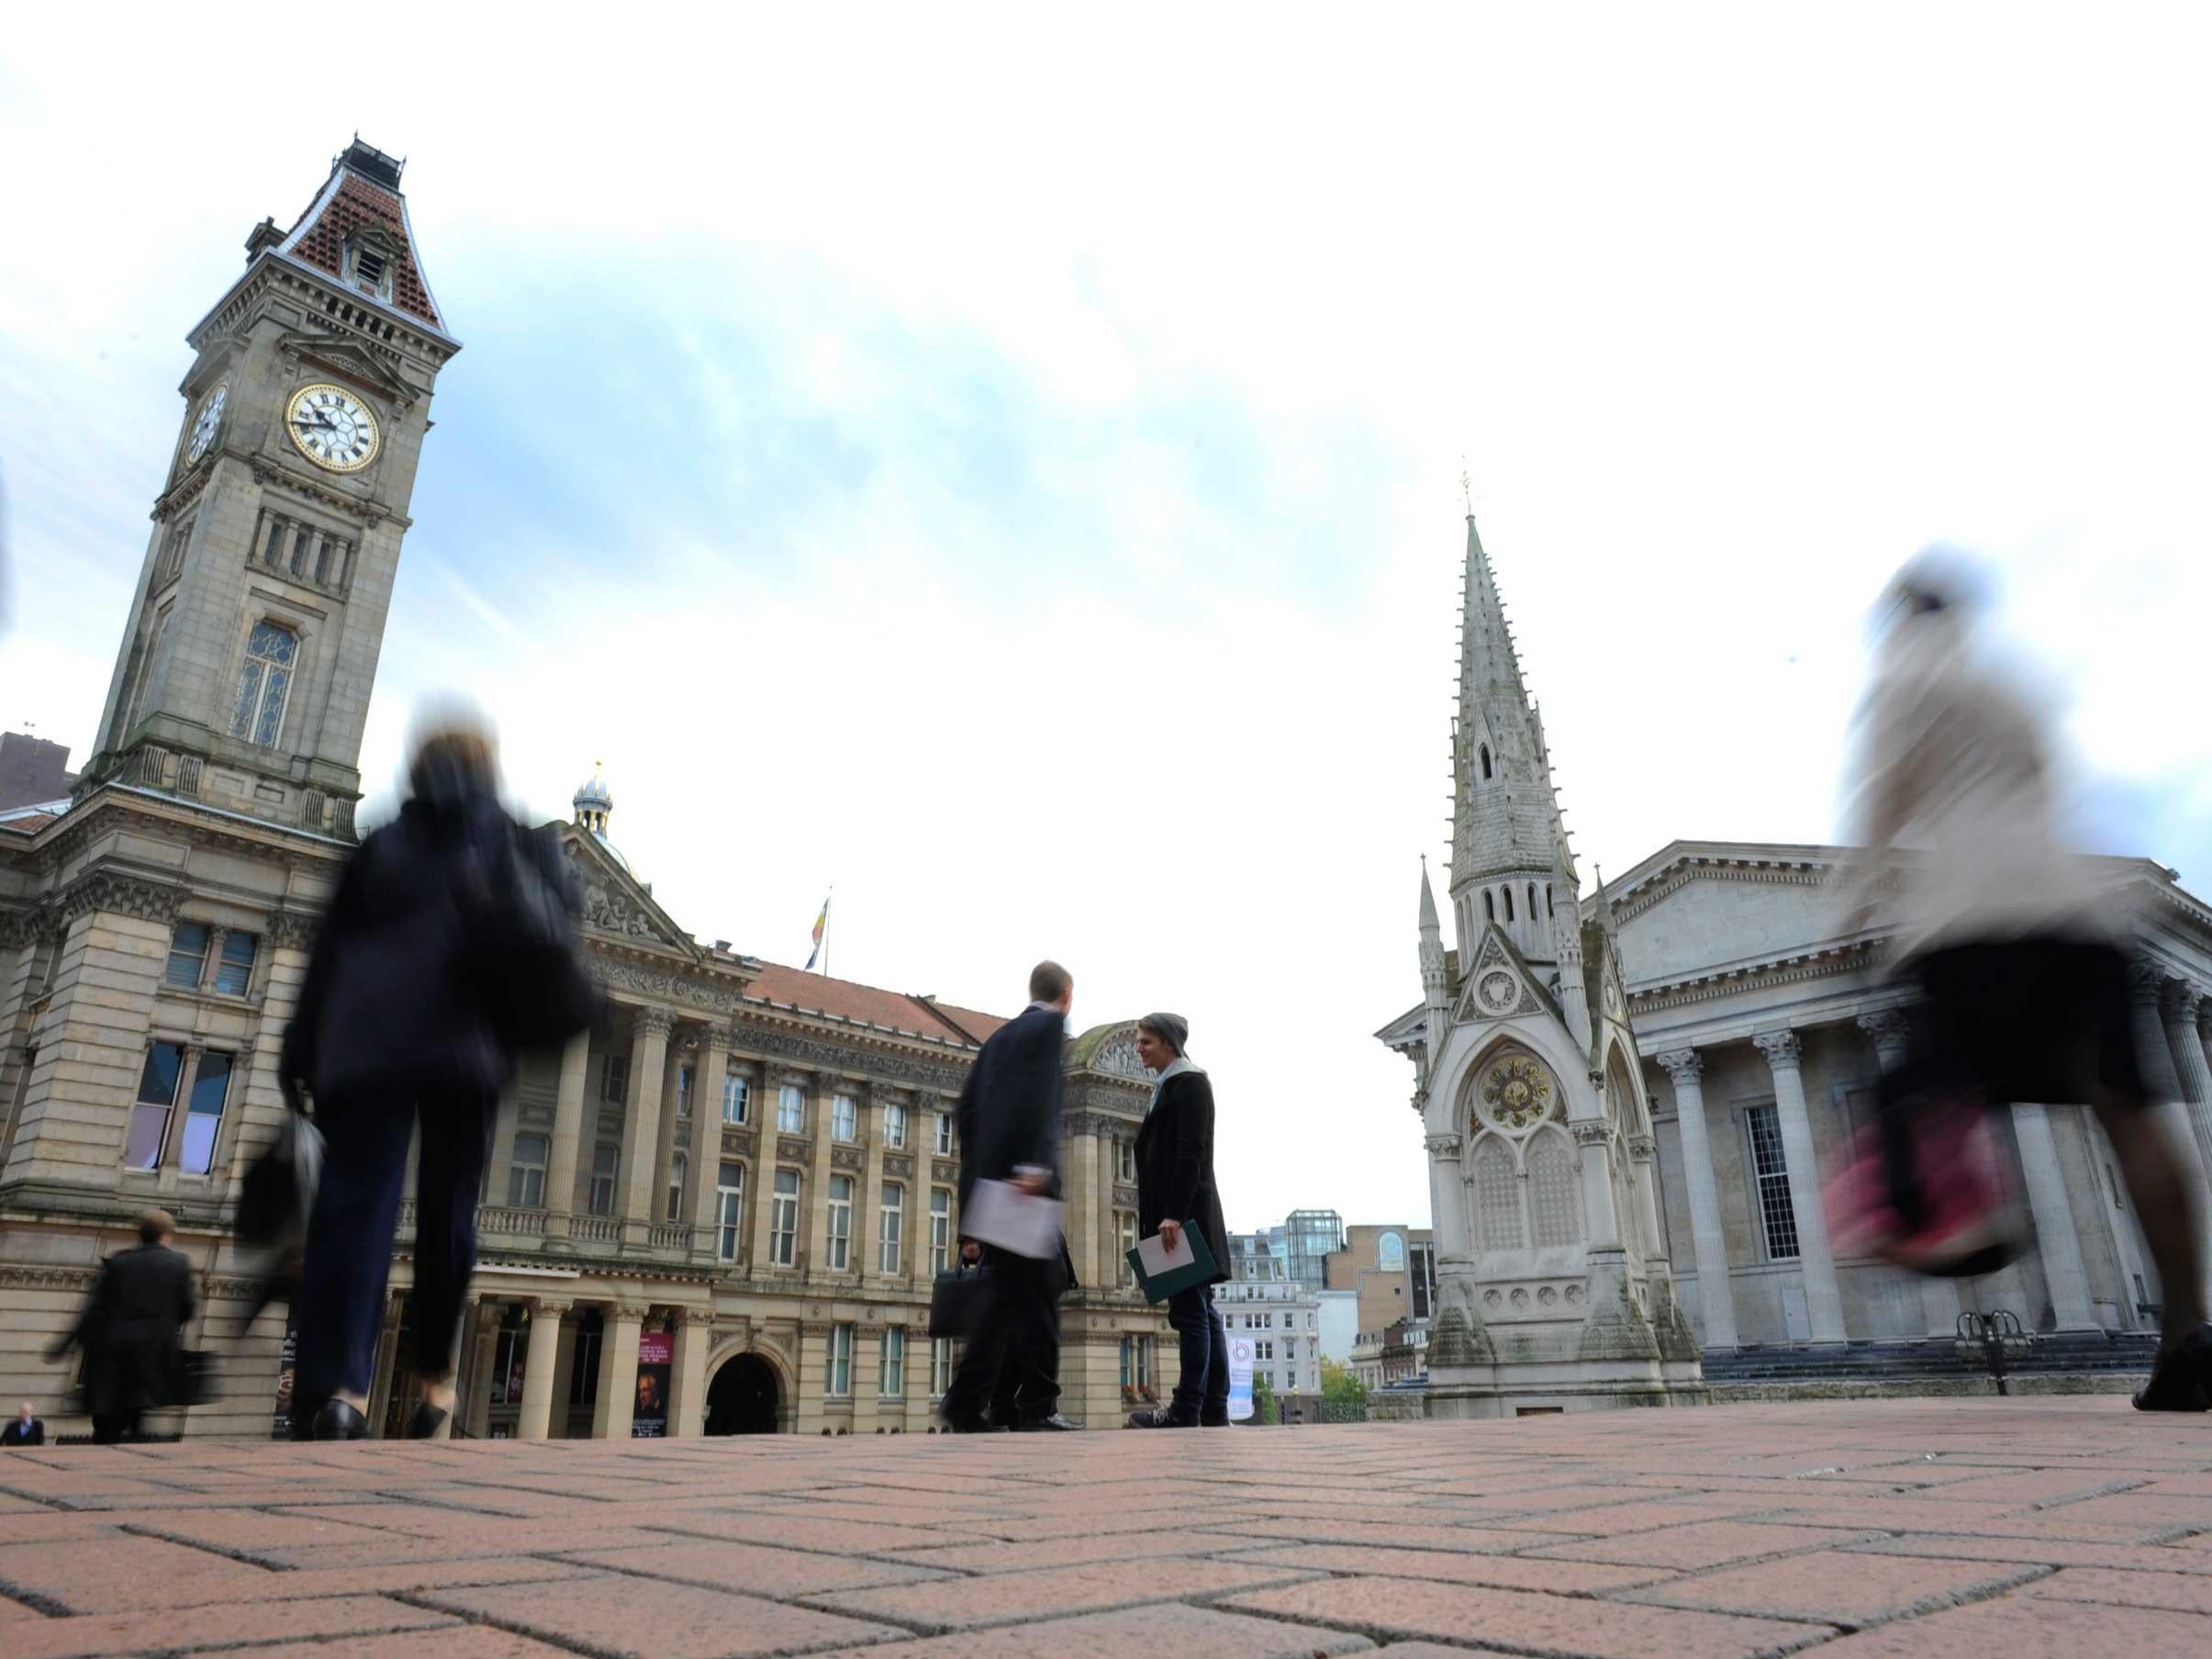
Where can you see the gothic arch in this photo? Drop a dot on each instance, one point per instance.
(1554, 1189)
(1470, 1121)
(1622, 1095)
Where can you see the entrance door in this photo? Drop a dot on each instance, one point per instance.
(744, 1398)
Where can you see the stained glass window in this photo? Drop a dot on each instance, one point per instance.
(1553, 1203)
(1498, 1197)
(258, 715)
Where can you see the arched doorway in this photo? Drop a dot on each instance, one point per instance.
(744, 1398)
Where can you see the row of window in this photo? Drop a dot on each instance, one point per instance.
(1490, 897)
(890, 1371)
(156, 1135)
(190, 949)
(791, 1107)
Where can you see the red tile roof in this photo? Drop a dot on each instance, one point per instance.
(865, 1005)
(357, 205)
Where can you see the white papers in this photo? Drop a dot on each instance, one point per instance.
(1001, 1213)
(1155, 1258)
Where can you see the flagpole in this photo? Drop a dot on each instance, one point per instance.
(826, 906)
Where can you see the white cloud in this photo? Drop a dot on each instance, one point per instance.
(1096, 594)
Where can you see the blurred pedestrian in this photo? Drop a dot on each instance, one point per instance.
(24, 1428)
(2014, 945)
(1174, 1187)
(1008, 1120)
(403, 1024)
(130, 1333)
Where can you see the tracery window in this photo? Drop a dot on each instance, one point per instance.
(258, 714)
(1498, 1198)
(1553, 1201)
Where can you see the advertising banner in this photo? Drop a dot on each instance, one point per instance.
(280, 1421)
(656, 1352)
(1240, 1378)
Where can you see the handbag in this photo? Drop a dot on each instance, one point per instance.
(278, 1195)
(956, 1302)
(521, 956)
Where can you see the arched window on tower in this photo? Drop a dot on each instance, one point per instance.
(1509, 904)
(1486, 760)
(1489, 907)
(1547, 909)
(258, 713)
(1532, 900)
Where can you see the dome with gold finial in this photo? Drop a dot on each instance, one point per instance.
(595, 804)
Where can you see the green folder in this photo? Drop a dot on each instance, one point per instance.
(1199, 1270)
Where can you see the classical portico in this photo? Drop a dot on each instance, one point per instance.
(1766, 1034)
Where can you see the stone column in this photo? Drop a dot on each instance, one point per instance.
(867, 1195)
(2180, 1007)
(1824, 1299)
(707, 1136)
(539, 1366)
(618, 1401)
(812, 1377)
(682, 1048)
(1716, 1294)
(568, 1128)
(867, 1377)
(763, 1195)
(1089, 1171)
(641, 1115)
(1448, 1198)
(1893, 1045)
(2146, 982)
(693, 1336)
(815, 1208)
(504, 1124)
(2056, 1234)
(482, 1345)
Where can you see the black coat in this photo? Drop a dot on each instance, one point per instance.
(1175, 1165)
(385, 1010)
(19, 1433)
(131, 1330)
(1008, 1110)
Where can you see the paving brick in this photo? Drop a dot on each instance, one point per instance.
(114, 1575)
(614, 1614)
(1506, 1572)
(468, 1642)
(1516, 1619)
(1916, 1515)
(186, 1630)
(1830, 1586)
(41, 1525)
(2139, 1509)
(1159, 1630)
(1005, 1597)
(416, 1576)
(2054, 1552)
(1613, 1520)
(1076, 1551)
(1701, 1544)
(800, 1533)
(2020, 1627)
(2178, 1592)
(756, 1569)
(1485, 1538)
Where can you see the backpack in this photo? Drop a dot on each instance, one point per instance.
(522, 965)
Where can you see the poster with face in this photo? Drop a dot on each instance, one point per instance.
(649, 1420)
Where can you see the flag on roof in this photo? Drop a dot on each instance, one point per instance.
(822, 923)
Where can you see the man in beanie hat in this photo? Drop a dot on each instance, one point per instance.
(1175, 1185)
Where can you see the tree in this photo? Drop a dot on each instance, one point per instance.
(1344, 1397)
(1264, 1409)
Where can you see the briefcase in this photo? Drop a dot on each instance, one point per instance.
(955, 1300)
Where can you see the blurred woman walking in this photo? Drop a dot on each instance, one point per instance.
(449, 943)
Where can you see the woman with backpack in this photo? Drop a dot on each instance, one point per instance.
(449, 941)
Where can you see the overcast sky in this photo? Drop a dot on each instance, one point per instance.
(1007, 466)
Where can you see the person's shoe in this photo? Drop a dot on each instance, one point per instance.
(2181, 1380)
(1214, 1419)
(339, 1421)
(1039, 1425)
(966, 1425)
(429, 1423)
(1161, 1416)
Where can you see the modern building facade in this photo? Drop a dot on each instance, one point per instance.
(1389, 1270)
(1308, 1238)
(719, 1209)
(1280, 1316)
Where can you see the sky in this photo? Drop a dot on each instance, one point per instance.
(1006, 464)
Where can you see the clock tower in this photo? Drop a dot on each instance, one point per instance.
(243, 679)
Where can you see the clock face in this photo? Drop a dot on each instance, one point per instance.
(211, 416)
(332, 428)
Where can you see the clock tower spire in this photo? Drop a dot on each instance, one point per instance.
(243, 679)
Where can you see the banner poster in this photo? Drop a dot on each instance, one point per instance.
(280, 1421)
(656, 1349)
(1240, 1378)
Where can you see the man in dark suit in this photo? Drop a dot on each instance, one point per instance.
(1008, 1120)
(1174, 1185)
(24, 1431)
(129, 1330)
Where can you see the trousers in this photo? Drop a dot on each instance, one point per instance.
(348, 1253)
(1014, 1352)
(1202, 1390)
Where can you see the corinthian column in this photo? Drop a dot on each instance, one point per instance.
(536, 1420)
(1824, 1299)
(640, 1114)
(2180, 1006)
(568, 1126)
(2056, 1234)
(1715, 1297)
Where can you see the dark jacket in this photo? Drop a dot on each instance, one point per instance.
(1175, 1165)
(130, 1333)
(385, 1009)
(20, 1434)
(1008, 1110)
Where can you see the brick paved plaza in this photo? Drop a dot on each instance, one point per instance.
(1924, 1528)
